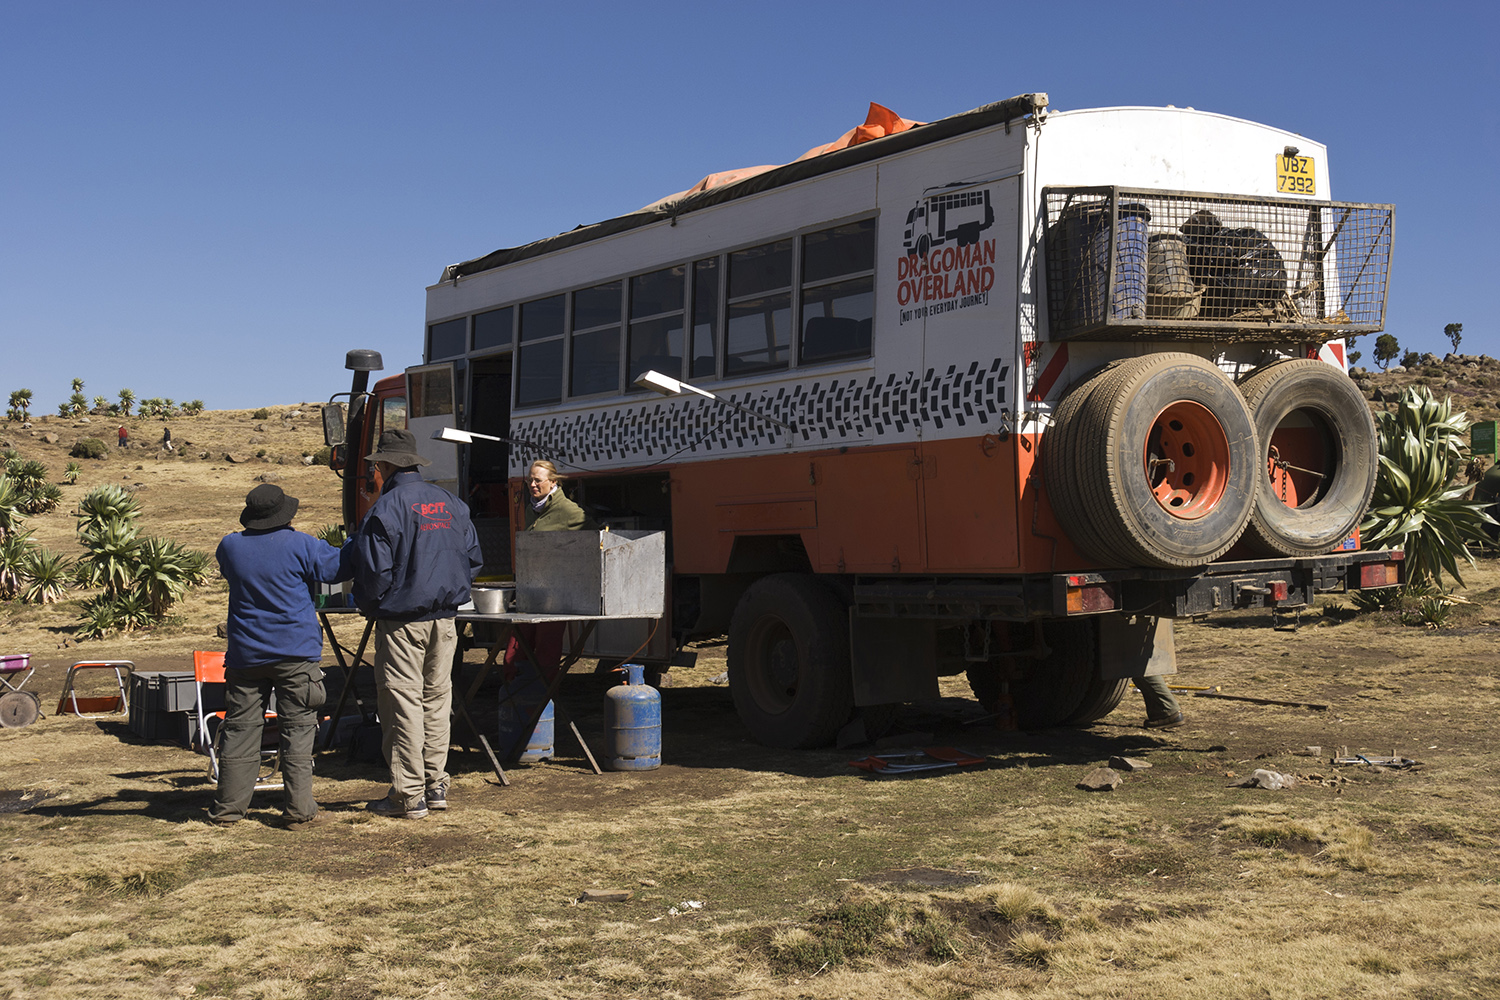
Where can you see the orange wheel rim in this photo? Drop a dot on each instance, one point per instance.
(1187, 460)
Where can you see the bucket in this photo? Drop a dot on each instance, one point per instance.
(493, 600)
(632, 723)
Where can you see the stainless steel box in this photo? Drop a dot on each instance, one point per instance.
(591, 573)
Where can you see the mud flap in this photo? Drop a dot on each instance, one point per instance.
(892, 659)
(1142, 646)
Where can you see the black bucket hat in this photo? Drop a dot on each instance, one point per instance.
(267, 506)
(399, 447)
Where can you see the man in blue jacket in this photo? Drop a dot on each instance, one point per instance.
(274, 643)
(416, 554)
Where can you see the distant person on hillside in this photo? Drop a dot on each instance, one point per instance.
(166, 439)
(124, 436)
(274, 644)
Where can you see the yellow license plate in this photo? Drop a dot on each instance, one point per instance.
(1294, 175)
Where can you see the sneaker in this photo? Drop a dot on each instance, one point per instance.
(1165, 722)
(437, 795)
(385, 807)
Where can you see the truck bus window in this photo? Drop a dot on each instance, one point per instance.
(596, 340)
(759, 330)
(837, 315)
(539, 364)
(493, 329)
(448, 339)
(705, 318)
(656, 333)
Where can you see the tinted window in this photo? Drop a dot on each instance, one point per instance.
(760, 269)
(836, 319)
(705, 317)
(493, 328)
(657, 292)
(447, 340)
(596, 306)
(840, 250)
(542, 318)
(596, 362)
(539, 372)
(655, 345)
(759, 332)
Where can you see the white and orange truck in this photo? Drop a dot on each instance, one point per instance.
(1003, 394)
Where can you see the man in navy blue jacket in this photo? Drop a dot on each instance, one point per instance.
(416, 554)
(274, 643)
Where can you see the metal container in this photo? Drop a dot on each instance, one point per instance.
(492, 600)
(518, 699)
(591, 573)
(632, 723)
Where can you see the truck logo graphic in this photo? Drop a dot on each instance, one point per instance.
(947, 218)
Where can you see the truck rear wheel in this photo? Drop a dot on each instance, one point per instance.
(1101, 698)
(789, 662)
(1165, 463)
(1054, 685)
(1317, 453)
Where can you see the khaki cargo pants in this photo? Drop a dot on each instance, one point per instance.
(414, 696)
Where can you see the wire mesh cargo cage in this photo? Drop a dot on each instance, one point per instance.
(1127, 262)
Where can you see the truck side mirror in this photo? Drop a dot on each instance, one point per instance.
(335, 423)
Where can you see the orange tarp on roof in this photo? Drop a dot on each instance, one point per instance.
(880, 122)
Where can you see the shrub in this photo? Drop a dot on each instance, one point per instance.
(106, 503)
(193, 407)
(70, 474)
(333, 534)
(322, 455)
(15, 558)
(261, 414)
(89, 448)
(1416, 504)
(12, 506)
(47, 576)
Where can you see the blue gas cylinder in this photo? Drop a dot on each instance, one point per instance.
(518, 699)
(632, 723)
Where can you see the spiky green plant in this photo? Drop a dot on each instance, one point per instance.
(70, 474)
(127, 400)
(1416, 503)
(333, 534)
(106, 503)
(192, 407)
(12, 506)
(164, 571)
(47, 577)
(132, 611)
(15, 558)
(110, 555)
(98, 618)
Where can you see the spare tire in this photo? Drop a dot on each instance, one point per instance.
(1165, 464)
(1059, 445)
(1318, 453)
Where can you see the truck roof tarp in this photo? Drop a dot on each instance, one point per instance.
(883, 134)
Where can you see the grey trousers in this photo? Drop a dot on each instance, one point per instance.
(299, 692)
(1160, 702)
(414, 696)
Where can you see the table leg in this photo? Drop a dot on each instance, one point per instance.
(349, 670)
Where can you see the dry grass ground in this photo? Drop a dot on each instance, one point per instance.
(816, 881)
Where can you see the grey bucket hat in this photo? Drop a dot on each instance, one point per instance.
(399, 447)
(267, 506)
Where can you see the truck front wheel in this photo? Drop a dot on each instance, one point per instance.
(789, 662)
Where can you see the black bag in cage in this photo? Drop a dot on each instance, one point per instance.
(1237, 268)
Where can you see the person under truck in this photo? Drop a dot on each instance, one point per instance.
(415, 557)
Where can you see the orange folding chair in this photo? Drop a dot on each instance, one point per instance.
(98, 706)
(208, 668)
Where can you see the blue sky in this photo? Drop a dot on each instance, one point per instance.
(217, 200)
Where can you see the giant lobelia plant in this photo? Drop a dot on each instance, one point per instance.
(141, 577)
(1417, 505)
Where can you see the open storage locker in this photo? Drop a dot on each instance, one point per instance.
(1124, 262)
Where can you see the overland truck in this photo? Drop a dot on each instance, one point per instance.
(1003, 394)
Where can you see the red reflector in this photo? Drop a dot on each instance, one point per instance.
(1379, 575)
(1279, 590)
(1094, 597)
